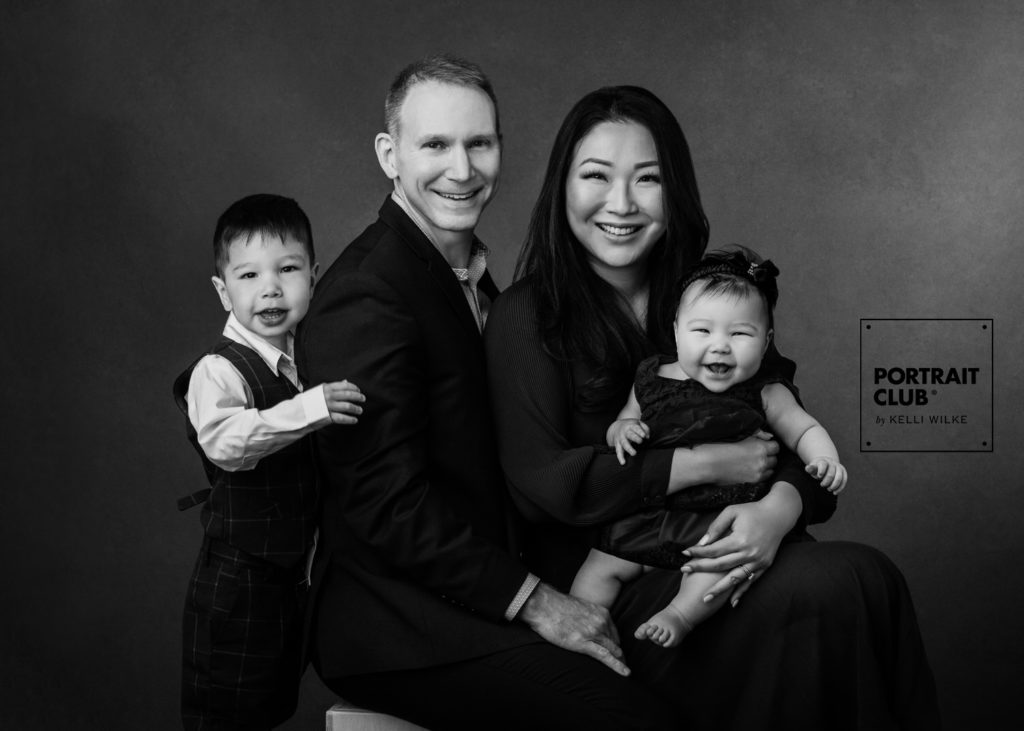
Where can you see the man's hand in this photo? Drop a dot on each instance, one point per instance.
(574, 624)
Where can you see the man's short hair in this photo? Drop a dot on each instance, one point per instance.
(443, 68)
(265, 214)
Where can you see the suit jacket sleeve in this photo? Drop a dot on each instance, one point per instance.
(376, 472)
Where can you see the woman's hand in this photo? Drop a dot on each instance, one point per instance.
(743, 540)
(749, 461)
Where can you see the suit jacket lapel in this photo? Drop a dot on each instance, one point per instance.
(435, 264)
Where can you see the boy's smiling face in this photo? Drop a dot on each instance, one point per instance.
(267, 284)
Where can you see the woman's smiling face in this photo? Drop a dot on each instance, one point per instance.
(613, 197)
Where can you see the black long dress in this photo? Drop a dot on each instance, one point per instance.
(827, 638)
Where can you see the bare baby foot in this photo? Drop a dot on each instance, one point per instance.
(667, 628)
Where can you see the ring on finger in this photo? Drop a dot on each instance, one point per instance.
(750, 574)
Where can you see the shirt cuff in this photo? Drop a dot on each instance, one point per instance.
(314, 405)
(521, 596)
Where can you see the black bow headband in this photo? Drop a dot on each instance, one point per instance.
(739, 262)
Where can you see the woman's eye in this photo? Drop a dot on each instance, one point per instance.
(650, 178)
(593, 175)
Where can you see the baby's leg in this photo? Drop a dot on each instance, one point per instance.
(686, 610)
(601, 577)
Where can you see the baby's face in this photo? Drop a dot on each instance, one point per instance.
(267, 284)
(720, 338)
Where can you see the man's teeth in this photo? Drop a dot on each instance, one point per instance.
(618, 230)
(457, 196)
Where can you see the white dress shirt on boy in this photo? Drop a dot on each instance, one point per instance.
(233, 434)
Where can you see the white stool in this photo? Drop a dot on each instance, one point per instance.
(343, 716)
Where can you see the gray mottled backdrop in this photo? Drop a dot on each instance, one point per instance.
(874, 150)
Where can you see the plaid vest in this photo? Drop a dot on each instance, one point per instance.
(270, 510)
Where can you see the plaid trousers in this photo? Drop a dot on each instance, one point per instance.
(242, 641)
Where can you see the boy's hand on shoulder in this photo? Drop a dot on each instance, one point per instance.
(829, 472)
(343, 399)
(623, 434)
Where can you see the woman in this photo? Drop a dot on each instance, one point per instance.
(826, 636)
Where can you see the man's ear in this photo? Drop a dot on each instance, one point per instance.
(222, 292)
(386, 147)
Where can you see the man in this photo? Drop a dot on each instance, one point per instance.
(423, 608)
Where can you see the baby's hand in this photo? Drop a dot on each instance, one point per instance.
(829, 472)
(623, 434)
(343, 399)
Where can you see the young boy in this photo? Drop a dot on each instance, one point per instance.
(250, 420)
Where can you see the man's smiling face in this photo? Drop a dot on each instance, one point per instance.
(447, 156)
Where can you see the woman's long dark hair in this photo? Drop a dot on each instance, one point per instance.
(581, 316)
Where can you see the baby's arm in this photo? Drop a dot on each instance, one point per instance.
(802, 433)
(627, 429)
(235, 436)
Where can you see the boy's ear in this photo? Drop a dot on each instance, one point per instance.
(768, 341)
(386, 147)
(314, 272)
(222, 292)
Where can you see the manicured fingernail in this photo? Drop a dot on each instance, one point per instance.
(704, 539)
(687, 553)
(687, 569)
(708, 598)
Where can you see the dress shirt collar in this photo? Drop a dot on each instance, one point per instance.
(477, 254)
(270, 355)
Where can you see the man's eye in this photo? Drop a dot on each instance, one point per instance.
(434, 145)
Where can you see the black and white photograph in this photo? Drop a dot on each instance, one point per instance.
(389, 366)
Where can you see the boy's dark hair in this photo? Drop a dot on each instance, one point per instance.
(442, 68)
(262, 213)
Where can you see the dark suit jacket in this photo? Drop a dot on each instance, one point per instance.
(420, 556)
